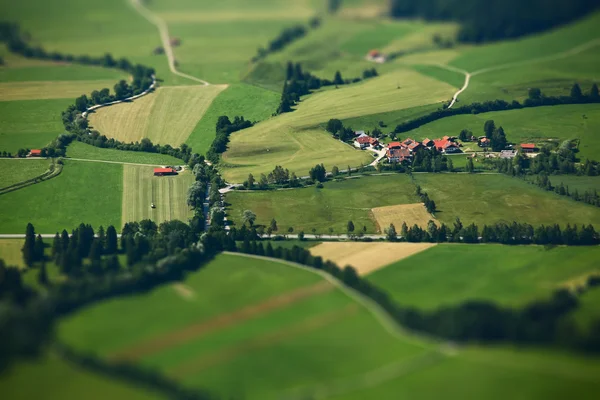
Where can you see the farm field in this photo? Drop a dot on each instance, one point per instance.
(289, 139)
(321, 209)
(167, 116)
(411, 214)
(251, 102)
(579, 183)
(10, 251)
(30, 123)
(169, 193)
(89, 152)
(12, 71)
(20, 170)
(537, 125)
(508, 275)
(367, 258)
(488, 199)
(273, 313)
(83, 192)
(32, 90)
(56, 379)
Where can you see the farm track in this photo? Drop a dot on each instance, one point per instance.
(196, 331)
(163, 29)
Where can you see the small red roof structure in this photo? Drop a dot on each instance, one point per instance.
(428, 142)
(374, 53)
(443, 144)
(164, 171)
(35, 153)
(399, 154)
(529, 146)
(364, 139)
(394, 145)
(373, 141)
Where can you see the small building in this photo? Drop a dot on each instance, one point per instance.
(508, 154)
(428, 142)
(398, 155)
(484, 142)
(359, 133)
(376, 56)
(446, 146)
(164, 171)
(363, 141)
(34, 153)
(529, 148)
(395, 145)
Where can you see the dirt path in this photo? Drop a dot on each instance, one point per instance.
(196, 331)
(196, 366)
(184, 291)
(163, 29)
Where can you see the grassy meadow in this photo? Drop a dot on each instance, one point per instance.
(167, 116)
(508, 275)
(32, 90)
(88, 152)
(168, 193)
(488, 199)
(321, 209)
(20, 170)
(293, 312)
(83, 192)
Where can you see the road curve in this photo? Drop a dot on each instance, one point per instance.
(163, 29)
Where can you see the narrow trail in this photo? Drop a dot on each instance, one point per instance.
(164, 36)
(468, 75)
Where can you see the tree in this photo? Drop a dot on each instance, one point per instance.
(576, 92)
(465, 135)
(263, 183)
(56, 246)
(488, 128)
(498, 140)
(470, 167)
(404, 231)
(594, 95)
(350, 227)
(289, 71)
(39, 248)
(318, 173)
(337, 80)
(391, 234)
(334, 126)
(273, 225)
(290, 230)
(335, 171)
(248, 217)
(449, 164)
(111, 240)
(333, 5)
(250, 181)
(301, 235)
(81, 103)
(28, 249)
(535, 94)
(43, 275)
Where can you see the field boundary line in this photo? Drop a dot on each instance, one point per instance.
(32, 181)
(163, 30)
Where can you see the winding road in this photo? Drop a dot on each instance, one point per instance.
(163, 29)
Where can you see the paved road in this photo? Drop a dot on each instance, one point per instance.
(137, 96)
(165, 38)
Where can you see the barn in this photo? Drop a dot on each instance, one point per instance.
(164, 171)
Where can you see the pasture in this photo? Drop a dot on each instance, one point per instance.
(168, 193)
(488, 199)
(83, 192)
(557, 123)
(292, 141)
(166, 116)
(247, 321)
(508, 275)
(56, 72)
(57, 379)
(31, 90)
(30, 123)
(89, 152)
(580, 183)
(411, 214)
(251, 102)
(331, 207)
(19, 170)
(367, 258)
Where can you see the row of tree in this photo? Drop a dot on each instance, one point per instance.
(224, 128)
(490, 20)
(588, 196)
(535, 99)
(285, 38)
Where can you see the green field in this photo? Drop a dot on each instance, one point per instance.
(83, 192)
(168, 193)
(488, 199)
(32, 90)
(56, 379)
(10, 251)
(59, 72)
(89, 152)
(249, 348)
(167, 116)
(19, 170)
(330, 207)
(508, 275)
(580, 183)
(251, 102)
(30, 123)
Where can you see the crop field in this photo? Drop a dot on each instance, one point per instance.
(169, 193)
(509, 275)
(30, 123)
(251, 102)
(487, 199)
(83, 192)
(10, 251)
(21, 170)
(89, 152)
(289, 139)
(367, 258)
(10, 91)
(321, 209)
(56, 72)
(411, 214)
(167, 116)
(272, 315)
(56, 379)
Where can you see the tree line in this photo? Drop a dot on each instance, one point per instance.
(491, 20)
(224, 128)
(535, 99)
(540, 322)
(286, 37)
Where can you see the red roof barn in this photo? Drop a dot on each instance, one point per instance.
(35, 153)
(528, 147)
(164, 171)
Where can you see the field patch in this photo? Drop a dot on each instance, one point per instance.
(18, 170)
(367, 257)
(10, 251)
(411, 214)
(58, 72)
(40, 90)
(168, 193)
(166, 116)
(89, 152)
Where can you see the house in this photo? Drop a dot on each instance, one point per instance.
(164, 171)
(484, 142)
(376, 56)
(398, 155)
(446, 146)
(395, 145)
(34, 153)
(508, 154)
(411, 145)
(428, 142)
(373, 142)
(529, 148)
(359, 133)
(363, 141)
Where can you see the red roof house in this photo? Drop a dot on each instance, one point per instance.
(446, 146)
(398, 155)
(428, 142)
(164, 171)
(528, 147)
(35, 153)
(395, 145)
